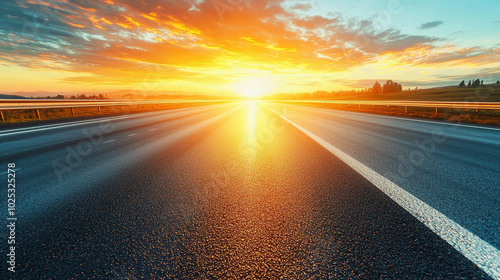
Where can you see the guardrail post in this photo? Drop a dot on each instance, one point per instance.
(1, 115)
(38, 113)
(406, 109)
(99, 109)
(122, 108)
(73, 112)
(436, 110)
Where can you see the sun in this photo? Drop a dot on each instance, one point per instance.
(254, 87)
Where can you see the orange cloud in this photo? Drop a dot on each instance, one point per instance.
(73, 24)
(131, 20)
(191, 39)
(106, 21)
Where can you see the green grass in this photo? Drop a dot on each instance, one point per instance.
(486, 93)
(488, 117)
(19, 116)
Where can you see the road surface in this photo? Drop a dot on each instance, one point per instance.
(237, 191)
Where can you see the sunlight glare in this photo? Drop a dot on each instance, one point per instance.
(254, 87)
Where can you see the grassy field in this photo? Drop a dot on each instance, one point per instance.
(486, 93)
(19, 116)
(488, 117)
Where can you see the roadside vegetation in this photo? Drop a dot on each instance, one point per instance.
(476, 92)
(488, 117)
(19, 116)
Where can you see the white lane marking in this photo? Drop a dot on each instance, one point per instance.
(480, 252)
(109, 141)
(152, 129)
(84, 122)
(432, 122)
(133, 134)
(5, 172)
(72, 124)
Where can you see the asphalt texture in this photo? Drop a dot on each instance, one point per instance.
(228, 191)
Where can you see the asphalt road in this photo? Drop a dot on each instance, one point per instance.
(234, 191)
(453, 168)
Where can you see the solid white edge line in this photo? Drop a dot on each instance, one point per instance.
(109, 141)
(76, 123)
(435, 122)
(480, 252)
(69, 124)
(133, 134)
(416, 120)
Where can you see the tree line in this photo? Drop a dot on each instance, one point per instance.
(472, 83)
(388, 87)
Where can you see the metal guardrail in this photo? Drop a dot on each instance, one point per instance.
(406, 104)
(39, 104)
(19, 104)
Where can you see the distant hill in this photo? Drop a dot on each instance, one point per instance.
(38, 94)
(119, 94)
(140, 94)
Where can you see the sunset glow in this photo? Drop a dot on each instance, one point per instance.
(216, 47)
(254, 87)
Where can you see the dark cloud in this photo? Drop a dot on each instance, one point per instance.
(432, 24)
(394, 41)
(188, 38)
(466, 56)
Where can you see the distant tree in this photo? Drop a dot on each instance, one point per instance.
(391, 86)
(462, 84)
(377, 88)
(470, 83)
(476, 83)
(481, 82)
(498, 82)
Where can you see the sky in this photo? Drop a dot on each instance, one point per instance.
(226, 47)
